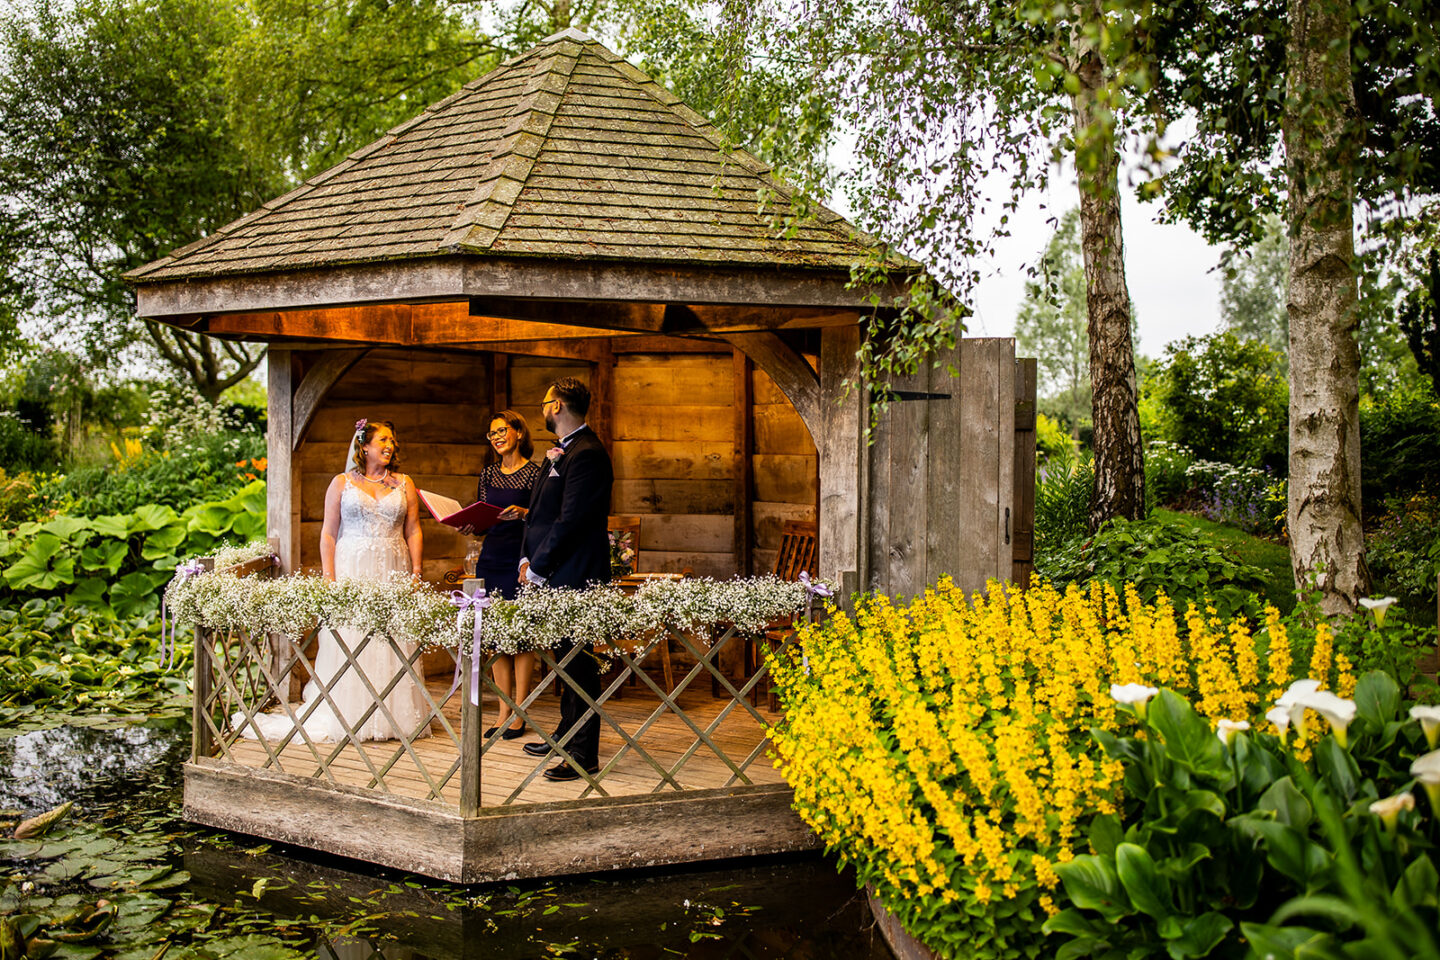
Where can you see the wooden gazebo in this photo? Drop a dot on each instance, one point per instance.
(565, 215)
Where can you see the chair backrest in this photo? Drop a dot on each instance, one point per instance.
(799, 550)
(630, 526)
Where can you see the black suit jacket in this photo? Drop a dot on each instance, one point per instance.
(566, 531)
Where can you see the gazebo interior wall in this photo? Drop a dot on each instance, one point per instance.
(672, 421)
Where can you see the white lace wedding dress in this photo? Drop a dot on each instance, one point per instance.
(370, 547)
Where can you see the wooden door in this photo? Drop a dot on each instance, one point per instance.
(940, 484)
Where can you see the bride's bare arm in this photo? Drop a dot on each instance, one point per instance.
(412, 528)
(331, 528)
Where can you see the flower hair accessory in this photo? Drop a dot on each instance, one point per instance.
(360, 425)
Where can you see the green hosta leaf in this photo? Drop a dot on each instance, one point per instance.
(163, 542)
(1338, 768)
(213, 519)
(1273, 941)
(1200, 936)
(69, 529)
(152, 517)
(136, 592)
(1091, 884)
(104, 556)
(90, 594)
(1148, 890)
(1418, 885)
(114, 526)
(47, 564)
(1189, 741)
(1377, 699)
(1288, 804)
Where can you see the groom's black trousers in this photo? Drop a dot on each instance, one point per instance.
(583, 672)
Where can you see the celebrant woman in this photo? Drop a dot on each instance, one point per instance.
(507, 482)
(371, 532)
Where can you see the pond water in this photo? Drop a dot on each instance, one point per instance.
(123, 876)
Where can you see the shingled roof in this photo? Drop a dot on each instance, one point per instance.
(566, 151)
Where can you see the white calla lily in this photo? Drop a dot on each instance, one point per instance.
(1429, 718)
(1290, 701)
(1426, 769)
(1337, 710)
(1135, 695)
(1377, 607)
(1226, 729)
(1388, 810)
(1281, 718)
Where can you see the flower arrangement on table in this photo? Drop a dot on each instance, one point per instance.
(537, 619)
(944, 749)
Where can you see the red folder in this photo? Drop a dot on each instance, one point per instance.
(480, 515)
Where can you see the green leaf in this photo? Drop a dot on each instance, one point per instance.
(116, 526)
(1377, 699)
(135, 593)
(67, 528)
(1189, 741)
(1091, 884)
(1106, 833)
(1288, 804)
(1274, 941)
(1288, 851)
(90, 594)
(163, 542)
(46, 565)
(104, 555)
(1200, 936)
(1075, 923)
(1418, 885)
(1148, 890)
(1338, 768)
(152, 517)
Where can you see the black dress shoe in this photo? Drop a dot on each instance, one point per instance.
(491, 732)
(537, 749)
(512, 733)
(563, 772)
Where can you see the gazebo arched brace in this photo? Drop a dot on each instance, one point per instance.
(799, 383)
(315, 385)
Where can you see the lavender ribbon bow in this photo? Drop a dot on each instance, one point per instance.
(168, 638)
(478, 603)
(813, 589)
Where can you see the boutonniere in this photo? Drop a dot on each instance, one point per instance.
(554, 453)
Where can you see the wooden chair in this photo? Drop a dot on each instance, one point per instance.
(799, 552)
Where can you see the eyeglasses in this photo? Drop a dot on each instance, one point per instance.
(546, 403)
(498, 434)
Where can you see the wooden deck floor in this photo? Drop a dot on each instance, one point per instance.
(505, 766)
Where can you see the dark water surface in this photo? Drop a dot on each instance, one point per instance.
(188, 892)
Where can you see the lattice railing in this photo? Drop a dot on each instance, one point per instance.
(654, 737)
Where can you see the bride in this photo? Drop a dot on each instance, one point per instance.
(371, 530)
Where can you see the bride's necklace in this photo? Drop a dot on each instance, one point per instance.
(382, 481)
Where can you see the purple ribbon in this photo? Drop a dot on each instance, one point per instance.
(168, 640)
(813, 589)
(478, 602)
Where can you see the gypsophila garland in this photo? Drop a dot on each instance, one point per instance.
(232, 556)
(538, 619)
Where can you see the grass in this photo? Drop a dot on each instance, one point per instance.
(1272, 557)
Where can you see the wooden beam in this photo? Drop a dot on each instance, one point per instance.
(500, 381)
(744, 468)
(842, 457)
(799, 383)
(313, 389)
(401, 324)
(450, 278)
(282, 486)
(602, 396)
(595, 315)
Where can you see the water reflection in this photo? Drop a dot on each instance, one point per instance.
(304, 904)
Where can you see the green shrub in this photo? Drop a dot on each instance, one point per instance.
(1399, 446)
(22, 448)
(1051, 439)
(1240, 842)
(1063, 487)
(1224, 398)
(1189, 567)
(1243, 497)
(1403, 552)
(1166, 481)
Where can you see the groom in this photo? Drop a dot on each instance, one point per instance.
(567, 545)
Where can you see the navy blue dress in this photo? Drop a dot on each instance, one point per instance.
(499, 563)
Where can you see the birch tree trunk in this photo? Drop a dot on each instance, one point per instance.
(1115, 409)
(1326, 538)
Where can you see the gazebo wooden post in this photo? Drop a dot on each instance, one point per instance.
(282, 508)
(841, 448)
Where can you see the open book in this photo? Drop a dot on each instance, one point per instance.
(479, 515)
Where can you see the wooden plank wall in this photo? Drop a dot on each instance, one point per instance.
(785, 469)
(438, 402)
(674, 447)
